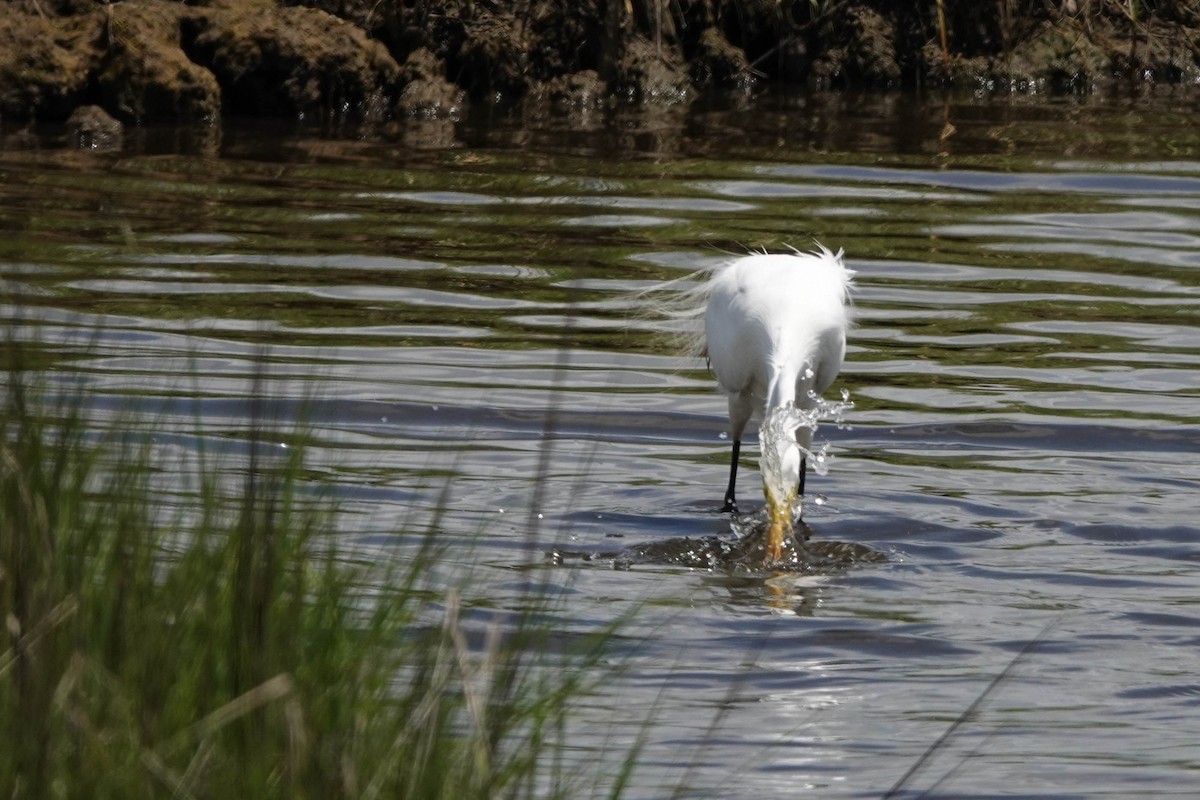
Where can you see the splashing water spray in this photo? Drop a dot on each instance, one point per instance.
(785, 439)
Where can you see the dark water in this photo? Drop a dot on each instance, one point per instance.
(1023, 446)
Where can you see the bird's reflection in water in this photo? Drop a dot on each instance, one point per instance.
(742, 558)
(785, 592)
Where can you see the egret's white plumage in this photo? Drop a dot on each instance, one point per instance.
(775, 327)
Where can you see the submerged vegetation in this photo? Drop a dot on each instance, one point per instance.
(224, 645)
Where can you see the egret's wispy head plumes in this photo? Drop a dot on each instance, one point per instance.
(773, 328)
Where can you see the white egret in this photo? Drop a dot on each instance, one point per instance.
(775, 327)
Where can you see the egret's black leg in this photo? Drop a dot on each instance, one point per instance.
(804, 468)
(730, 503)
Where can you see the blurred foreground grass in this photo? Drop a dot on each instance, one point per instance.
(225, 647)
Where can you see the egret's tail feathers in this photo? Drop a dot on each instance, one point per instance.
(674, 308)
(677, 306)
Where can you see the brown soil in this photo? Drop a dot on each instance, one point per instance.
(145, 60)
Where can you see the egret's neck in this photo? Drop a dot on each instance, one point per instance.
(790, 379)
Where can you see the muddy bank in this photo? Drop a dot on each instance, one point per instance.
(368, 61)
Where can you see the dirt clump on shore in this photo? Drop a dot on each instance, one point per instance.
(366, 60)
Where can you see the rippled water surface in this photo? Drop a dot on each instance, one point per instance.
(1023, 448)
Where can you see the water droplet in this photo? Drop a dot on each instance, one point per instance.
(502, 511)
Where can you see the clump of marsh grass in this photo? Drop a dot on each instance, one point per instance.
(227, 646)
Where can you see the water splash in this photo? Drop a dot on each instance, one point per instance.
(741, 555)
(785, 437)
